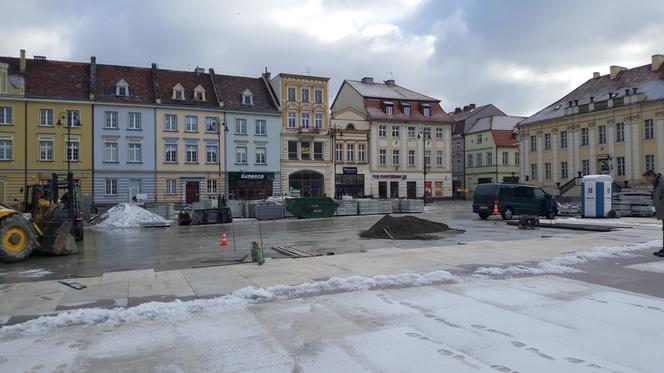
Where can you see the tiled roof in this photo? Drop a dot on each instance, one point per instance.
(57, 79)
(300, 76)
(642, 78)
(463, 115)
(389, 92)
(504, 138)
(232, 87)
(376, 111)
(189, 80)
(139, 79)
(494, 122)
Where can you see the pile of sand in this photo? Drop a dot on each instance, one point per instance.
(406, 228)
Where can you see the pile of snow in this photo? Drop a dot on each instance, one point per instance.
(562, 264)
(127, 215)
(178, 310)
(616, 222)
(35, 273)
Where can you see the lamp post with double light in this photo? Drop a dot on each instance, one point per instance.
(425, 136)
(216, 126)
(334, 132)
(73, 119)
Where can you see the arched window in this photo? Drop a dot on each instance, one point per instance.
(178, 92)
(309, 183)
(122, 88)
(247, 97)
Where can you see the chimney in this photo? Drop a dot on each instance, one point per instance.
(466, 108)
(93, 77)
(627, 92)
(367, 80)
(472, 106)
(634, 90)
(595, 75)
(155, 84)
(389, 82)
(657, 61)
(592, 98)
(199, 70)
(570, 103)
(576, 102)
(457, 110)
(615, 70)
(266, 74)
(22, 62)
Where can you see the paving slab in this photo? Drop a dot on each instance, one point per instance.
(33, 297)
(165, 283)
(128, 275)
(94, 293)
(215, 280)
(648, 267)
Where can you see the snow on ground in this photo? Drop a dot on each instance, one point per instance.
(627, 222)
(126, 215)
(563, 264)
(35, 273)
(538, 324)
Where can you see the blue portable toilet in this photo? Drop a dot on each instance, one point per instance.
(596, 196)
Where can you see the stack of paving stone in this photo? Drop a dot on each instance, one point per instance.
(269, 211)
(631, 202)
(237, 208)
(250, 209)
(367, 207)
(396, 208)
(346, 208)
(165, 210)
(384, 206)
(411, 205)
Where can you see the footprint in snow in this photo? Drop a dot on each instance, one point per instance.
(501, 368)
(574, 360)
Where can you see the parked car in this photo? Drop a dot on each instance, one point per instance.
(513, 199)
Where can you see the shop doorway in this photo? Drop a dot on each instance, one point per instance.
(382, 189)
(439, 189)
(411, 190)
(309, 183)
(394, 189)
(349, 185)
(192, 192)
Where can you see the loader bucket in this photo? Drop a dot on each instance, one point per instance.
(58, 240)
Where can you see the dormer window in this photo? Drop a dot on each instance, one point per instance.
(199, 93)
(178, 92)
(122, 88)
(389, 107)
(247, 97)
(426, 110)
(406, 110)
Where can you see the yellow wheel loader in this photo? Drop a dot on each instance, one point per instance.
(53, 227)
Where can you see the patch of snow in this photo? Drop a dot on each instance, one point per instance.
(237, 299)
(127, 215)
(34, 273)
(618, 222)
(562, 264)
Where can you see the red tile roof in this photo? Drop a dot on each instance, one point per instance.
(376, 110)
(139, 79)
(57, 79)
(189, 80)
(232, 87)
(13, 64)
(504, 138)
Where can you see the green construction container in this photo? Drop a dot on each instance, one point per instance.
(311, 207)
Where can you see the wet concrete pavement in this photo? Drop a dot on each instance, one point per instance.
(199, 246)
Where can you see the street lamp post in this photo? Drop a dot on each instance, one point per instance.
(218, 126)
(334, 132)
(72, 119)
(424, 135)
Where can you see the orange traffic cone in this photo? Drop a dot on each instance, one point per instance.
(495, 208)
(224, 239)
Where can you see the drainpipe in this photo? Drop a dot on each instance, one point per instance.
(93, 153)
(25, 153)
(156, 186)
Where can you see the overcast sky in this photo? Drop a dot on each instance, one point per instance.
(520, 55)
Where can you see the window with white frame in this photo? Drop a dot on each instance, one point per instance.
(564, 171)
(411, 157)
(478, 159)
(211, 186)
(396, 132)
(199, 93)
(585, 167)
(469, 162)
(6, 146)
(240, 126)
(563, 139)
(73, 118)
(533, 143)
(73, 147)
(305, 150)
(292, 119)
(426, 111)
(46, 149)
(247, 97)
(427, 157)
(489, 158)
(318, 120)
(134, 121)
(382, 157)
(178, 92)
(211, 153)
(406, 110)
(395, 157)
(601, 134)
(241, 154)
(439, 158)
(547, 171)
(506, 158)
(111, 120)
(261, 154)
(171, 186)
(620, 132)
(650, 162)
(305, 94)
(478, 138)
(350, 152)
(110, 151)
(46, 117)
(135, 152)
(533, 171)
(291, 94)
(191, 123)
(584, 137)
(211, 124)
(191, 153)
(382, 130)
(171, 153)
(340, 152)
(439, 133)
(412, 132)
(305, 120)
(261, 127)
(389, 109)
(318, 150)
(5, 115)
(122, 88)
(620, 166)
(318, 96)
(648, 130)
(517, 160)
(170, 122)
(111, 187)
(547, 141)
(361, 152)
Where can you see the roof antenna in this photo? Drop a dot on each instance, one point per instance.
(308, 71)
(391, 75)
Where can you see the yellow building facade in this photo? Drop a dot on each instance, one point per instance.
(612, 124)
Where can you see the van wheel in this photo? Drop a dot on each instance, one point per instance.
(483, 215)
(550, 215)
(508, 213)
